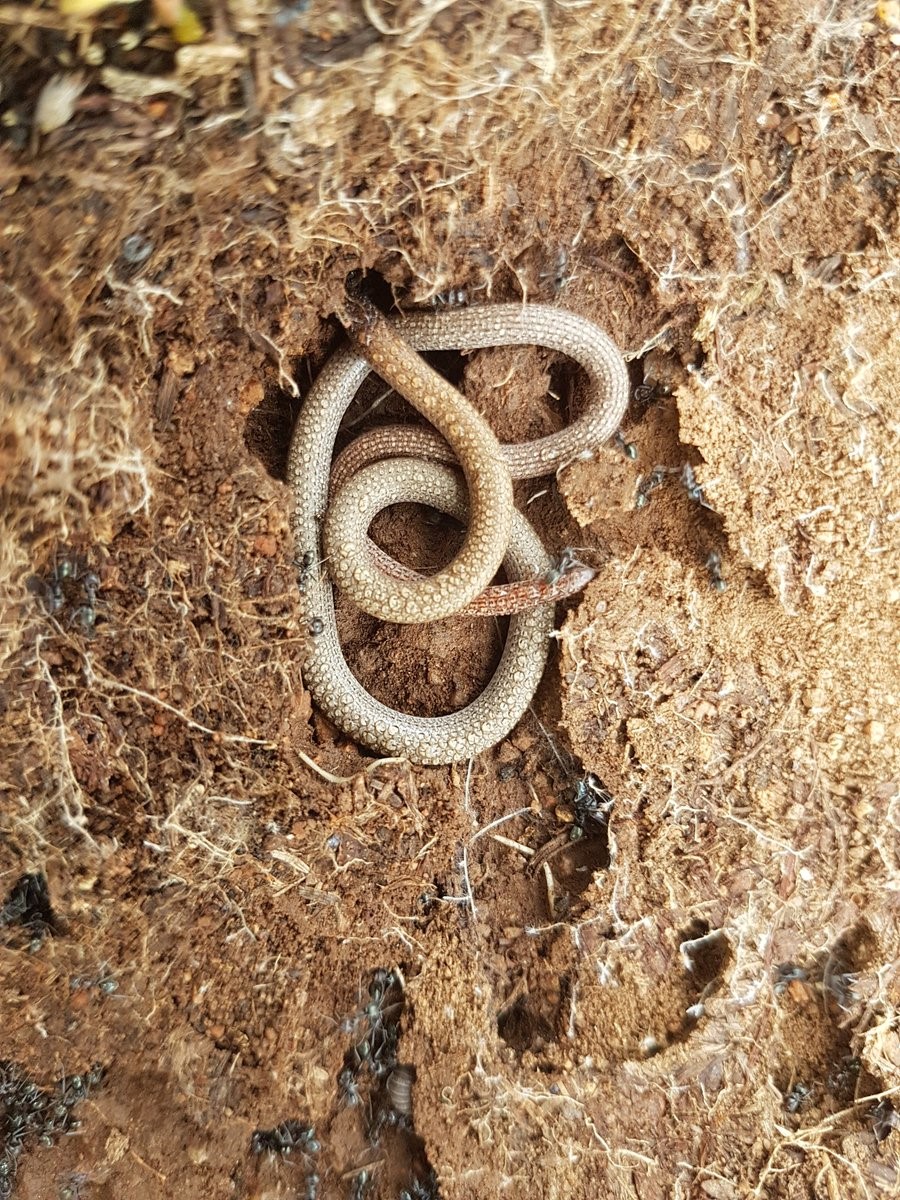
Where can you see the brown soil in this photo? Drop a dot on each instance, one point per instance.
(698, 997)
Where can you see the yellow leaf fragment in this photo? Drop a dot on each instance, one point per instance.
(87, 8)
(180, 19)
(188, 30)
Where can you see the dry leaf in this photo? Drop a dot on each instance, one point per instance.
(130, 85)
(188, 28)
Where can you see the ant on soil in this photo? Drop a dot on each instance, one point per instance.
(284, 1139)
(649, 484)
(591, 806)
(692, 487)
(28, 905)
(884, 1120)
(30, 1113)
(838, 982)
(422, 1189)
(656, 478)
(798, 1097)
(714, 567)
(349, 1088)
(361, 1184)
(389, 1096)
(71, 584)
(785, 975)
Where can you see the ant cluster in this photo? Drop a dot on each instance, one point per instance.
(836, 981)
(285, 1139)
(419, 1189)
(657, 477)
(103, 981)
(28, 905)
(370, 1079)
(841, 1083)
(70, 586)
(375, 1056)
(832, 977)
(29, 1113)
(592, 805)
(422, 1189)
(372, 1074)
(688, 480)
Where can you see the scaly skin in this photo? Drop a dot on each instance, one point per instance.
(391, 345)
(565, 579)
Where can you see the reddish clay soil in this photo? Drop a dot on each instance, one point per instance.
(648, 945)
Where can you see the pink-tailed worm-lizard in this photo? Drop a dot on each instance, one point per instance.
(330, 536)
